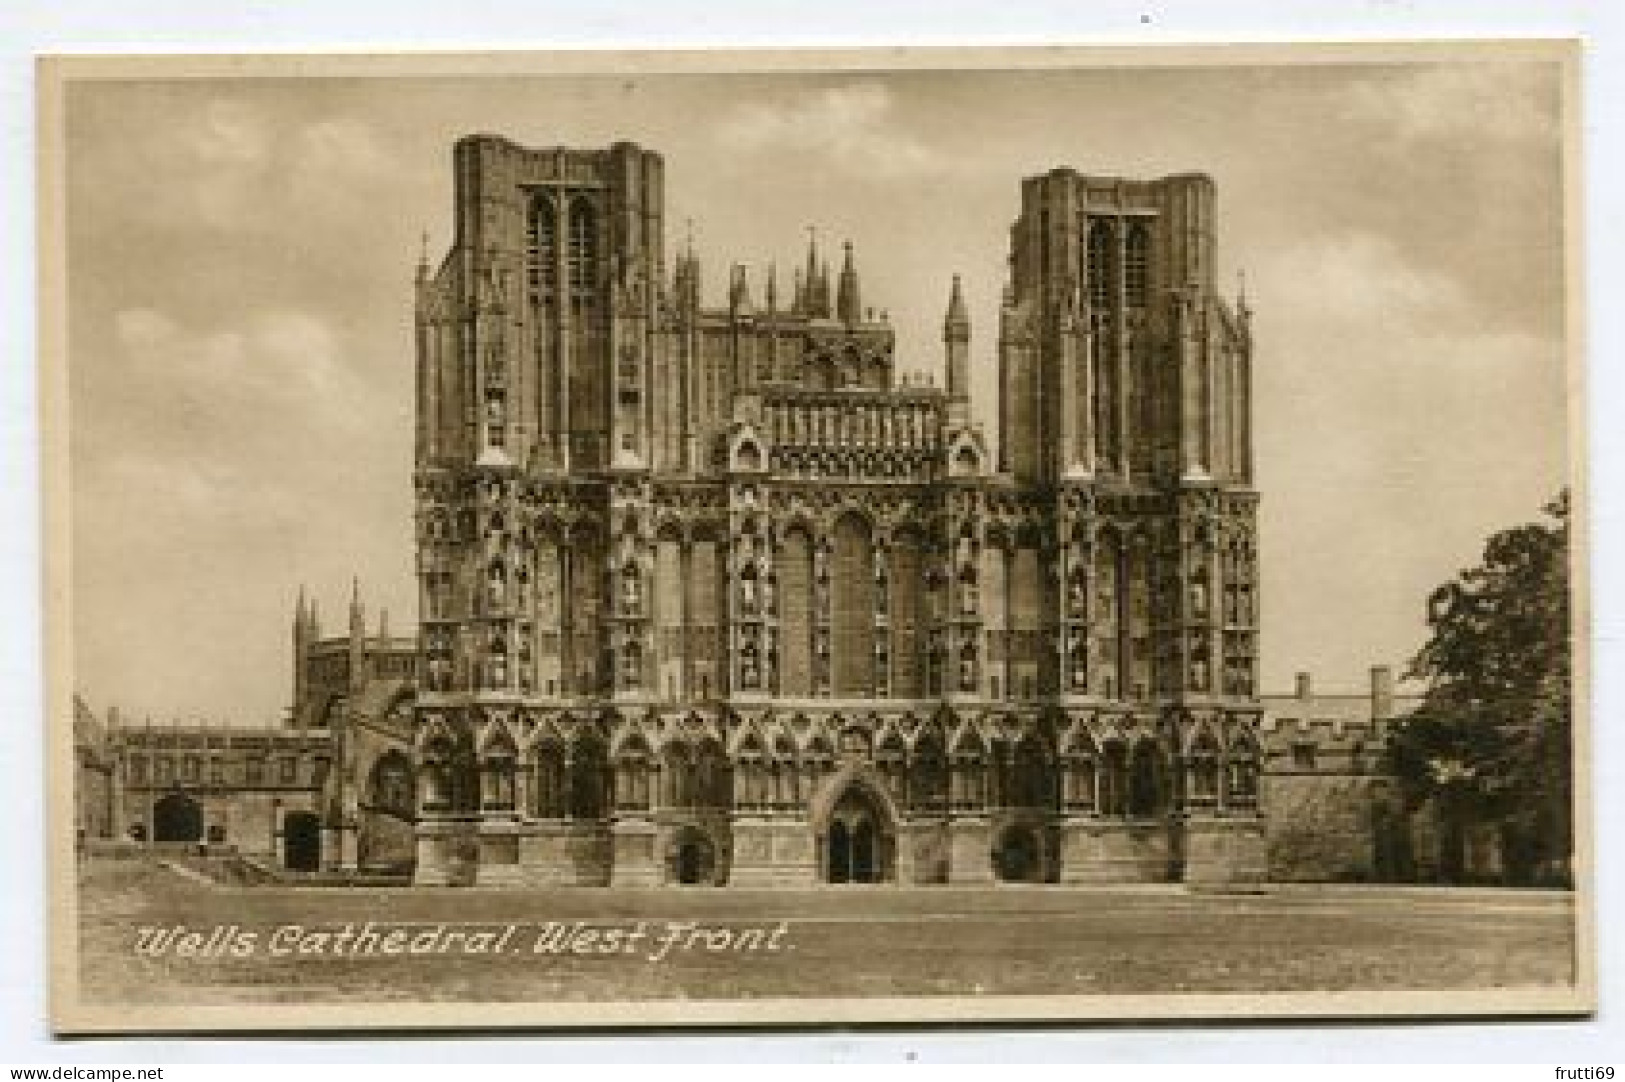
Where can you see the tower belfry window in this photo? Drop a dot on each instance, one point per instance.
(583, 247)
(1137, 266)
(541, 262)
(1099, 263)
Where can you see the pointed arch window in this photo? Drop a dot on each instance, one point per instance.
(542, 250)
(1204, 771)
(551, 797)
(1098, 260)
(497, 777)
(583, 247)
(1241, 774)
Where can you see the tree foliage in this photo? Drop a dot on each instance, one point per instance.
(1492, 738)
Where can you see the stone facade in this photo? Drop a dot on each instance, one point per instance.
(714, 595)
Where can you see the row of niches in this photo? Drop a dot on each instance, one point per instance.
(447, 530)
(827, 464)
(889, 425)
(582, 780)
(485, 502)
(903, 584)
(809, 731)
(904, 661)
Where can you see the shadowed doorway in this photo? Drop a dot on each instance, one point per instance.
(857, 843)
(693, 859)
(177, 818)
(301, 842)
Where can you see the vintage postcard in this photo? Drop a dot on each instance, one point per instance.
(780, 538)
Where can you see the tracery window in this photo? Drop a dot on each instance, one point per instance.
(1099, 263)
(498, 778)
(1204, 771)
(542, 250)
(583, 247)
(1137, 266)
(1241, 775)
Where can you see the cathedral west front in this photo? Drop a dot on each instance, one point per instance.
(712, 595)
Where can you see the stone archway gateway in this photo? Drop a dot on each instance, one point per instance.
(859, 842)
(177, 818)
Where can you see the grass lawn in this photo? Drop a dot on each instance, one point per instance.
(836, 941)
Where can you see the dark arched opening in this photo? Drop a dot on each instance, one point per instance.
(301, 842)
(693, 858)
(385, 838)
(1144, 782)
(857, 842)
(177, 818)
(1018, 857)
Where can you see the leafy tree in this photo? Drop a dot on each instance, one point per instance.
(1492, 738)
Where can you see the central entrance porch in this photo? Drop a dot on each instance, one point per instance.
(858, 842)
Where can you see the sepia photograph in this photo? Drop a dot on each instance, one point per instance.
(780, 538)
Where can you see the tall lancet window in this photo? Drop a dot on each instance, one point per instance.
(1099, 263)
(583, 247)
(1137, 266)
(542, 250)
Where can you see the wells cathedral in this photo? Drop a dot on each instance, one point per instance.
(712, 595)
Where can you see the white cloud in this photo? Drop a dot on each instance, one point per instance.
(852, 126)
(1355, 278)
(228, 132)
(1482, 100)
(281, 360)
(233, 168)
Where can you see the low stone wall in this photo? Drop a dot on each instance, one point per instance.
(1319, 828)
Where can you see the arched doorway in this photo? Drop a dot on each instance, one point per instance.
(385, 839)
(301, 841)
(1018, 857)
(177, 818)
(857, 840)
(693, 858)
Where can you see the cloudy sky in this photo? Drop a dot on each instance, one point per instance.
(240, 259)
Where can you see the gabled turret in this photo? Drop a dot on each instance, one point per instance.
(739, 302)
(848, 303)
(358, 638)
(303, 635)
(956, 343)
